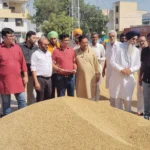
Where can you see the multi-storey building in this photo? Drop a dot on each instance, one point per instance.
(13, 14)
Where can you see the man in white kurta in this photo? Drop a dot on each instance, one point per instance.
(100, 53)
(125, 60)
(113, 41)
(140, 100)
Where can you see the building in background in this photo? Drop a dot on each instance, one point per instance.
(123, 15)
(13, 14)
(126, 15)
(110, 15)
(146, 19)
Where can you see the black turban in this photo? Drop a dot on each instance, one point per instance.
(131, 34)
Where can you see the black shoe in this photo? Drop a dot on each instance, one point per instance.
(146, 117)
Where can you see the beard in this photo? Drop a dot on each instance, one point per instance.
(130, 49)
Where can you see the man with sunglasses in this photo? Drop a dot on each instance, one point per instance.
(12, 63)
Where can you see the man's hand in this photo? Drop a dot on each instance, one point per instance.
(103, 73)
(62, 71)
(140, 81)
(37, 86)
(97, 77)
(124, 72)
(25, 80)
(128, 71)
(74, 71)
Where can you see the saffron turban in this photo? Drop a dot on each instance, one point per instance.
(131, 34)
(77, 31)
(52, 34)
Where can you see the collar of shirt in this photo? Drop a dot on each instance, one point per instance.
(51, 47)
(25, 44)
(62, 49)
(97, 44)
(47, 52)
(3, 45)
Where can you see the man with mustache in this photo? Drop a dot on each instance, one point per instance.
(125, 60)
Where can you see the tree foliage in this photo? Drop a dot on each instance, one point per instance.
(53, 15)
(63, 23)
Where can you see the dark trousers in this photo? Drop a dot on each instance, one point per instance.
(146, 94)
(53, 84)
(45, 88)
(64, 83)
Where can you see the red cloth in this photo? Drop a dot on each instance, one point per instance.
(64, 59)
(12, 62)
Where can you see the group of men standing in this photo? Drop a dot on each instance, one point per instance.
(66, 65)
(123, 59)
(46, 66)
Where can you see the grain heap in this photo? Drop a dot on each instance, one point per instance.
(73, 124)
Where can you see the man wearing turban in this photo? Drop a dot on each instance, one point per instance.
(125, 60)
(53, 44)
(76, 34)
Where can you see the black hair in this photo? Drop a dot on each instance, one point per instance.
(122, 35)
(29, 34)
(82, 37)
(63, 36)
(94, 33)
(6, 31)
(148, 35)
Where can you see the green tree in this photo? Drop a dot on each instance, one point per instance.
(63, 23)
(53, 15)
(92, 19)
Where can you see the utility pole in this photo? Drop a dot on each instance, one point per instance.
(75, 13)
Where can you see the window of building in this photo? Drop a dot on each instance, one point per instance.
(117, 9)
(12, 9)
(5, 19)
(19, 22)
(117, 21)
(5, 5)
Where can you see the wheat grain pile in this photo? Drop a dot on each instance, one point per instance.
(73, 124)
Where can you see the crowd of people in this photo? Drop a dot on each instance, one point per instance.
(56, 65)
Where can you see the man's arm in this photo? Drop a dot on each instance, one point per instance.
(141, 68)
(23, 67)
(102, 54)
(36, 82)
(97, 68)
(104, 68)
(33, 69)
(137, 66)
(113, 63)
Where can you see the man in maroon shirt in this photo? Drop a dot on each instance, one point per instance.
(65, 66)
(12, 63)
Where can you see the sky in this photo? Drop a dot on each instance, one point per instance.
(104, 4)
(107, 4)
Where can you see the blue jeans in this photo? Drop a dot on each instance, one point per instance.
(146, 94)
(65, 83)
(6, 100)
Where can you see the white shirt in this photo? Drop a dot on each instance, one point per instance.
(120, 85)
(109, 47)
(41, 63)
(100, 52)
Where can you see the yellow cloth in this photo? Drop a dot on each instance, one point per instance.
(77, 31)
(51, 48)
(87, 68)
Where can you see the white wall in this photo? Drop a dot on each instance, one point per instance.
(1, 4)
(12, 24)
